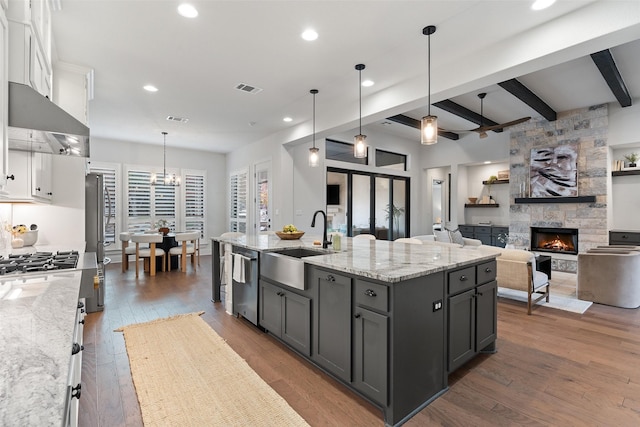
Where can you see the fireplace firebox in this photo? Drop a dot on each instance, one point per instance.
(559, 240)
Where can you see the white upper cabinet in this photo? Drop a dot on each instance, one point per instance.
(4, 99)
(30, 44)
(30, 177)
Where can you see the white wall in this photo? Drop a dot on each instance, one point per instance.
(131, 153)
(499, 192)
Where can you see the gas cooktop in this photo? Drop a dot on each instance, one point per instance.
(38, 262)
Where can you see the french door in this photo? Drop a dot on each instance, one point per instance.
(370, 203)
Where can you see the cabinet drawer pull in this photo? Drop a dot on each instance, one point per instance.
(370, 293)
(280, 294)
(11, 177)
(479, 294)
(357, 315)
(330, 278)
(37, 188)
(487, 270)
(463, 278)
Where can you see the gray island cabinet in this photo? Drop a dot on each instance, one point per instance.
(388, 320)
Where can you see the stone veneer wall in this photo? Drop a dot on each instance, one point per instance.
(587, 127)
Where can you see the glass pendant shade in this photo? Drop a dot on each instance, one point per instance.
(314, 157)
(360, 146)
(167, 180)
(429, 130)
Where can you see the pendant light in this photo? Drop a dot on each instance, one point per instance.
(429, 123)
(360, 145)
(167, 180)
(314, 157)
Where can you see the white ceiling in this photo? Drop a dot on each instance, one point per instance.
(196, 63)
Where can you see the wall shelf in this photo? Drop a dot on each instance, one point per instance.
(577, 199)
(500, 181)
(479, 205)
(623, 173)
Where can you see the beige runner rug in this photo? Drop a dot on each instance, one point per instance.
(185, 374)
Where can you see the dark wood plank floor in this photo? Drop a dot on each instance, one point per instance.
(552, 368)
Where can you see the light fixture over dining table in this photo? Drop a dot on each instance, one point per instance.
(170, 180)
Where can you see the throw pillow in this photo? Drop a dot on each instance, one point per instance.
(456, 237)
(442, 236)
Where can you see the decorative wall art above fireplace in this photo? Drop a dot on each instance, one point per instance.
(554, 171)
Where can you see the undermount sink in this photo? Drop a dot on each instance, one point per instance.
(301, 252)
(286, 266)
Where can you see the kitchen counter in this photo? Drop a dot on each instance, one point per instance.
(37, 320)
(36, 332)
(375, 259)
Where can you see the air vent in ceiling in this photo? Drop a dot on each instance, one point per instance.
(177, 119)
(248, 88)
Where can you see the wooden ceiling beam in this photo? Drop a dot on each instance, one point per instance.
(525, 95)
(457, 109)
(609, 70)
(411, 122)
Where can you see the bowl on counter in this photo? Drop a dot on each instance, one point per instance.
(290, 236)
(30, 237)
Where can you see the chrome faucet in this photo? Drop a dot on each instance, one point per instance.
(325, 242)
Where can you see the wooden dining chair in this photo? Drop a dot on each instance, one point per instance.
(187, 245)
(152, 252)
(126, 250)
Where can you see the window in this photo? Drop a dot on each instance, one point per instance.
(343, 152)
(149, 203)
(238, 202)
(194, 206)
(387, 159)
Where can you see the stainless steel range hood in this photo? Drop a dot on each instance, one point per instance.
(37, 124)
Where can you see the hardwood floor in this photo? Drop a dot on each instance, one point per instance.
(552, 368)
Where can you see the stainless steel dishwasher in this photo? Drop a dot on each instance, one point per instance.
(245, 295)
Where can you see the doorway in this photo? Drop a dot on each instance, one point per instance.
(369, 203)
(262, 196)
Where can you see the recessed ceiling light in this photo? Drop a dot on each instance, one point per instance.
(542, 4)
(368, 83)
(287, 119)
(150, 88)
(309, 35)
(187, 10)
(487, 162)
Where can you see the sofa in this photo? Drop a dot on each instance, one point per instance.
(430, 238)
(516, 269)
(610, 275)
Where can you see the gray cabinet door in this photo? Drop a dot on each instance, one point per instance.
(270, 308)
(296, 321)
(486, 314)
(370, 364)
(332, 323)
(462, 337)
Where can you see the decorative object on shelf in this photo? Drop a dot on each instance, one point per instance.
(294, 235)
(167, 180)
(554, 171)
(360, 146)
(503, 175)
(617, 165)
(429, 123)
(314, 158)
(473, 200)
(631, 158)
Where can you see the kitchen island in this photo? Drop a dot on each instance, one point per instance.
(389, 320)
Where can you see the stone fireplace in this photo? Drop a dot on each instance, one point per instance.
(588, 128)
(554, 239)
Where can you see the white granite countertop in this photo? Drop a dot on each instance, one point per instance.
(375, 259)
(37, 319)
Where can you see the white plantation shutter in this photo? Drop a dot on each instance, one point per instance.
(194, 201)
(139, 200)
(111, 204)
(164, 203)
(238, 202)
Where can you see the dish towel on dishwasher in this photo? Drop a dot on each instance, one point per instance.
(240, 268)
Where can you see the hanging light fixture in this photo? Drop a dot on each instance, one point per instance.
(429, 123)
(168, 180)
(314, 157)
(360, 145)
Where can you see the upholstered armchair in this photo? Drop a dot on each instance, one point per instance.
(516, 269)
(610, 276)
